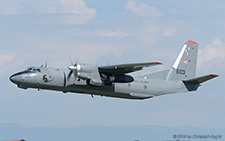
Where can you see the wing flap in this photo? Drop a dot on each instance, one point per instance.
(201, 79)
(126, 68)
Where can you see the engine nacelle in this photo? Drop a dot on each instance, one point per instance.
(121, 78)
(89, 73)
(124, 78)
(85, 68)
(92, 75)
(84, 75)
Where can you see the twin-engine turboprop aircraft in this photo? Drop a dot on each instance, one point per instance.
(114, 81)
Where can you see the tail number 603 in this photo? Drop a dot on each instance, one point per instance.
(180, 71)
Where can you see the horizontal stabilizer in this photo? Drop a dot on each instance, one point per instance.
(201, 79)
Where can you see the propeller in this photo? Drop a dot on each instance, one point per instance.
(73, 70)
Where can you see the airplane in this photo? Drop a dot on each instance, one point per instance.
(115, 80)
(16, 140)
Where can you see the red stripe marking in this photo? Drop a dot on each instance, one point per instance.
(190, 41)
(214, 75)
(158, 63)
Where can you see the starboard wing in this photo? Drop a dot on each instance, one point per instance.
(126, 68)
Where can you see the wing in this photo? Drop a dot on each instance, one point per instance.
(126, 68)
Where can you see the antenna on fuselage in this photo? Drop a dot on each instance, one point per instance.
(46, 65)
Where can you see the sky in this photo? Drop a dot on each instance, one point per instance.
(110, 32)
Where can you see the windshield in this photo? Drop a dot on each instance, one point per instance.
(33, 69)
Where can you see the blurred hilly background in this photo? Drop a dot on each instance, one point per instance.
(10, 131)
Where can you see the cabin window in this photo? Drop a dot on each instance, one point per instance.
(145, 86)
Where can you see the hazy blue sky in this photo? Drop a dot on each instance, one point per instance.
(101, 32)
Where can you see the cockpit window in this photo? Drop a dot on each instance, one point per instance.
(33, 69)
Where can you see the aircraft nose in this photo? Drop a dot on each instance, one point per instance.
(15, 78)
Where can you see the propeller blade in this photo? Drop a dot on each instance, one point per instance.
(68, 77)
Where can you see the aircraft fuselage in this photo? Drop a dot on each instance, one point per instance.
(56, 79)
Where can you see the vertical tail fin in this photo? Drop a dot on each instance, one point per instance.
(185, 64)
